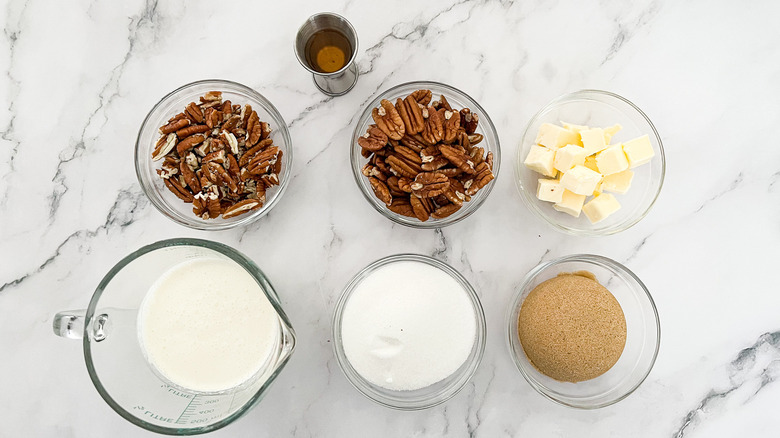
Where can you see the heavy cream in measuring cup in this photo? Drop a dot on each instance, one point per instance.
(206, 325)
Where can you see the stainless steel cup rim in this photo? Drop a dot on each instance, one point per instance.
(302, 57)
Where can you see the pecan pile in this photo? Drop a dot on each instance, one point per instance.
(218, 157)
(423, 156)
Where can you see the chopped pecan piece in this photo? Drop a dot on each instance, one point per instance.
(241, 207)
(174, 126)
(189, 142)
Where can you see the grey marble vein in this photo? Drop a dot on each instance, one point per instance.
(145, 21)
(746, 369)
(735, 183)
(440, 248)
(626, 31)
(12, 31)
(476, 405)
(129, 203)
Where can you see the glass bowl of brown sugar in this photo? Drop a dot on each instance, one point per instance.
(619, 356)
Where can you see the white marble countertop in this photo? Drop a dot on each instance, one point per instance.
(78, 78)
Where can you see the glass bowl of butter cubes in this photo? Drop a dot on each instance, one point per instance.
(590, 163)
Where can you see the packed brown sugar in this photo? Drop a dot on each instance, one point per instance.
(572, 328)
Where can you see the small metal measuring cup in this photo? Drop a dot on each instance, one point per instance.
(338, 82)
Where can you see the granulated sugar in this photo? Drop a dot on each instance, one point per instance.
(408, 325)
(572, 328)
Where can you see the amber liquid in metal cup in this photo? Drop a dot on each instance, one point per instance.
(327, 51)
(326, 45)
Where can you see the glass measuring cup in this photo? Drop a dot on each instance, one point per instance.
(116, 361)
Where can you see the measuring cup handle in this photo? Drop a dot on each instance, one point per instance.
(70, 324)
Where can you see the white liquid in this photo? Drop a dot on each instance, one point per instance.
(408, 325)
(206, 325)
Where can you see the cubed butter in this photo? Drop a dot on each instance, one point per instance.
(593, 140)
(573, 127)
(571, 203)
(618, 182)
(638, 151)
(540, 159)
(590, 163)
(568, 157)
(580, 180)
(555, 137)
(599, 188)
(549, 190)
(600, 207)
(611, 131)
(612, 160)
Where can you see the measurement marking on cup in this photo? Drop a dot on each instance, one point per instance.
(178, 420)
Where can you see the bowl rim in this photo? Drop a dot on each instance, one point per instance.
(516, 303)
(529, 198)
(355, 157)
(194, 222)
(358, 382)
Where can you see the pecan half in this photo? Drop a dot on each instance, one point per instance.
(408, 154)
(458, 158)
(400, 167)
(445, 211)
(436, 163)
(402, 206)
(451, 125)
(434, 126)
(423, 97)
(481, 179)
(388, 120)
(421, 208)
(430, 184)
(412, 143)
(469, 120)
(373, 140)
(443, 103)
(381, 190)
(411, 113)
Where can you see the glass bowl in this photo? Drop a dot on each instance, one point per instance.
(431, 395)
(643, 333)
(457, 99)
(597, 109)
(166, 202)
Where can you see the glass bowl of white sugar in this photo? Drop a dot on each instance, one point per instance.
(409, 331)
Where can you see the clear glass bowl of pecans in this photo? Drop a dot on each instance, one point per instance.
(425, 154)
(213, 155)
